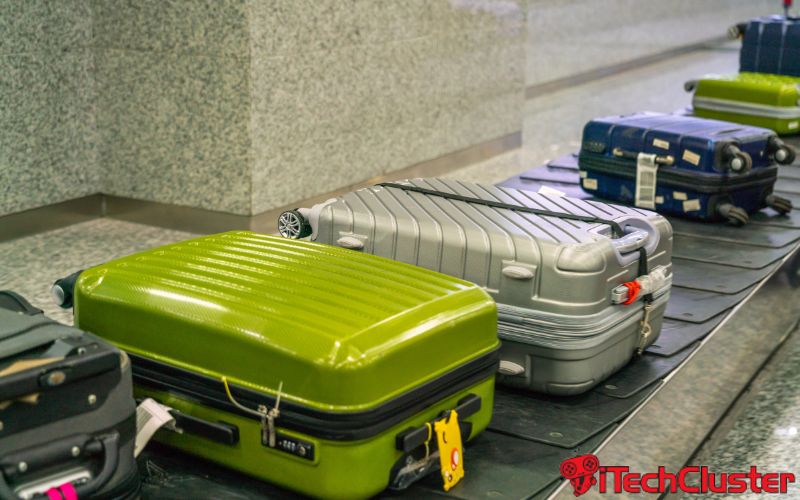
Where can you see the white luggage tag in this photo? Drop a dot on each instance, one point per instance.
(547, 190)
(150, 417)
(646, 174)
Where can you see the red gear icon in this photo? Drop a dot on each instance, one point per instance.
(580, 471)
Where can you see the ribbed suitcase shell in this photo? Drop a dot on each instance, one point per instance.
(552, 278)
(698, 182)
(757, 99)
(348, 336)
(771, 44)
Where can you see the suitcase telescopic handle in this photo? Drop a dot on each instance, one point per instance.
(52, 454)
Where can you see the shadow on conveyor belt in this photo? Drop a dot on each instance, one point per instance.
(519, 455)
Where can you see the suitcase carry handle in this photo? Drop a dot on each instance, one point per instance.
(54, 375)
(616, 229)
(633, 155)
(411, 439)
(631, 241)
(64, 450)
(219, 432)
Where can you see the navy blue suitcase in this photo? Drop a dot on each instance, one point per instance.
(771, 45)
(682, 165)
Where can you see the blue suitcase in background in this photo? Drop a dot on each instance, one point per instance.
(682, 165)
(771, 45)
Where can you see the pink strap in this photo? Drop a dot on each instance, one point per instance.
(53, 494)
(68, 491)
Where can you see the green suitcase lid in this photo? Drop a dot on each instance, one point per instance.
(343, 331)
(758, 88)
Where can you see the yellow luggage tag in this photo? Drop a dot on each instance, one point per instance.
(448, 436)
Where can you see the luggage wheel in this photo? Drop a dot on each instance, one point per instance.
(737, 160)
(779, 204)
(781, 152)
(734, 215)
(293, 225)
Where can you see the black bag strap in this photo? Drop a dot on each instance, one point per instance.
(17, 303)
(643, 271)
(616, 229)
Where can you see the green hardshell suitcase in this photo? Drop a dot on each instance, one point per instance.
(762, 100)
(310, 366)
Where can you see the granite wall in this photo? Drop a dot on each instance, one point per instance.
(48, 137)
(241, 106)
(173, 88)
(345, 91)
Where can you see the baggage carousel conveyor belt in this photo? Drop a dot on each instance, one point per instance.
(735, 298)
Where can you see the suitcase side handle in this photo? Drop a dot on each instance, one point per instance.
(54, 375)
(413, 438)
(64, 450)
(668, 160)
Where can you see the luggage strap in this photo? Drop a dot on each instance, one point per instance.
(646, 329)
(616, 229)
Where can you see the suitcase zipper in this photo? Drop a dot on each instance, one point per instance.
(747, 108)
(694, 181)
(339, 426)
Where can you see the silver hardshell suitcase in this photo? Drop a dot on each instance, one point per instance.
(580, 285)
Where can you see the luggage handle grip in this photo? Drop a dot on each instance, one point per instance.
(415, 437)
(631, 241)
(51, 376)
(219, 432)
(20, 463)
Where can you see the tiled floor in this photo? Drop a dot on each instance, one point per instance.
(30, 265)
(765, 431)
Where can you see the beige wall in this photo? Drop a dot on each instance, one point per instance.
(566, 37)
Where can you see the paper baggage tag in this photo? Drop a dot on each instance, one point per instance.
(547, 190)
(150, 416)
(451, 458)
(646, 172)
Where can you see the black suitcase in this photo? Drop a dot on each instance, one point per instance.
(67, 414)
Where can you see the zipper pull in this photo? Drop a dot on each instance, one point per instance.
(266, 415)
(271, 416)
(266, 425)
